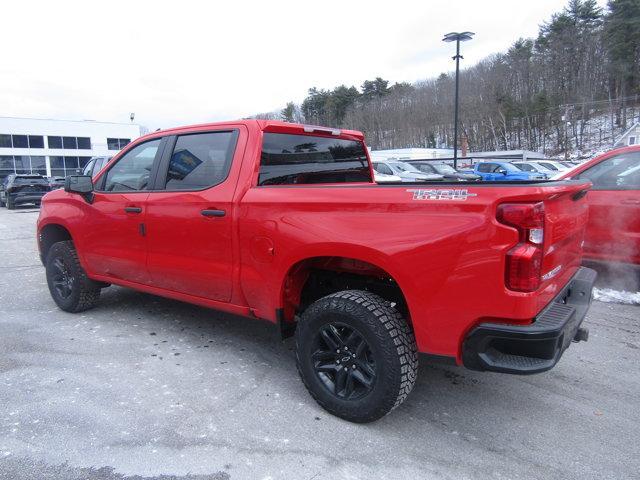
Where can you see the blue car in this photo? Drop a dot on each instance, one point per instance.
(504, 171)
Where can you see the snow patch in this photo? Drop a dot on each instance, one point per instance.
(609, 295)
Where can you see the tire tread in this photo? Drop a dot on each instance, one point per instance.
(402, 347)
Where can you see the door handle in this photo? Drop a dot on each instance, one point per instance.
(133, 209)
(630, 201)
(213, 213)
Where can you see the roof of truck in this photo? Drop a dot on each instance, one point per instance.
(270, 126)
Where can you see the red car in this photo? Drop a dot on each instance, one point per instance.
(613, 231)
(283, 222)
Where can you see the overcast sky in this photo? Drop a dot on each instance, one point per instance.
(187, 62)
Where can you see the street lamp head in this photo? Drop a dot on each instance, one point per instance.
(458, 36)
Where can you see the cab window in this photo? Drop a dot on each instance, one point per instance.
(132, 171)
(621, 172)
(305, 159)
(200, 160)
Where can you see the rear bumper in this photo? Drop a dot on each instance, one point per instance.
(27, 197)
(534, 348)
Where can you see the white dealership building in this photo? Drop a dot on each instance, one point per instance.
(58, 147)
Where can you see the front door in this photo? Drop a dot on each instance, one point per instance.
(613, 231)
(190, 215)
(115, 243)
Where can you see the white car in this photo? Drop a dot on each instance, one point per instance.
(553, 165)
(384, 178)
(405, 171)
(535, 167)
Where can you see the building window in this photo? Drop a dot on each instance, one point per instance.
(54, 142)
(5, 141)
(36, 141)
(22, 164)
(63, 166)
(20, 141)
(117, 143)
(632, 140)
(84, 143)
(38, 165)
(69, 143)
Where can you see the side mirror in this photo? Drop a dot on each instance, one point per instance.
(502, 171)
(81, 184)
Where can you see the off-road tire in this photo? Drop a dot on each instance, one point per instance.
(85, 293)
(392, 346)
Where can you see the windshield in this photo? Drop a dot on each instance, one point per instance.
(525, 167)
(89, 167)
(548, 166)
(404, 167)
(444, 168)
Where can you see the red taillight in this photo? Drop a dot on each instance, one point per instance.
(524, 261)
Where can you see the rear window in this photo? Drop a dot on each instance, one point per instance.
(305, 159)
(24, 180)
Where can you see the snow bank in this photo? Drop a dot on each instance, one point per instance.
(609, 295)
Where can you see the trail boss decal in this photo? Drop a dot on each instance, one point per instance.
(448, 194)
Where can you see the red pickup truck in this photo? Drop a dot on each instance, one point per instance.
(283, 222)
(613, 231)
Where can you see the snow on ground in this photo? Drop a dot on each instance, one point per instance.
(609, 295)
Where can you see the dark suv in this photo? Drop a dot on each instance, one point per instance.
(18, 189)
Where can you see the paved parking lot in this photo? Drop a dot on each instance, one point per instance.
(143, 387)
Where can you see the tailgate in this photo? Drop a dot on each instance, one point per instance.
(566, 215)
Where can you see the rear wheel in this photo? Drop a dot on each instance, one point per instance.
(356, 355)
(68, 283)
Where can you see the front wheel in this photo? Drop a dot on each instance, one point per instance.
(10, 203)
(356, 355)
(69, 285)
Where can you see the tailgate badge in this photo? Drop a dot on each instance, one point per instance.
(552, 273)
(441, 194)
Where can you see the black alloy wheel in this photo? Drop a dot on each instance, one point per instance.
(62, 280)
(343, 361)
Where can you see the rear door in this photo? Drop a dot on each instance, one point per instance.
(613, 231)
(190, 213)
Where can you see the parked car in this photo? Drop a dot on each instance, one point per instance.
(552, 165)
(95, 164)
(282, 222)
(613, 231)
(447, 171)
(22, 188)
(382, 173)
(568, 164)
(504, 171)
(406, 171)
(56, 182)
(535, 167)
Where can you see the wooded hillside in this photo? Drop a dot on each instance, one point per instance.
(574, 88)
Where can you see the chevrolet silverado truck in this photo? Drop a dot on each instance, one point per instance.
(283, 222)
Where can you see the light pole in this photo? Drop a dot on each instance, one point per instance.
(457, 37)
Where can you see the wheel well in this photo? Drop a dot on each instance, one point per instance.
(49, 235)
(314, 278)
